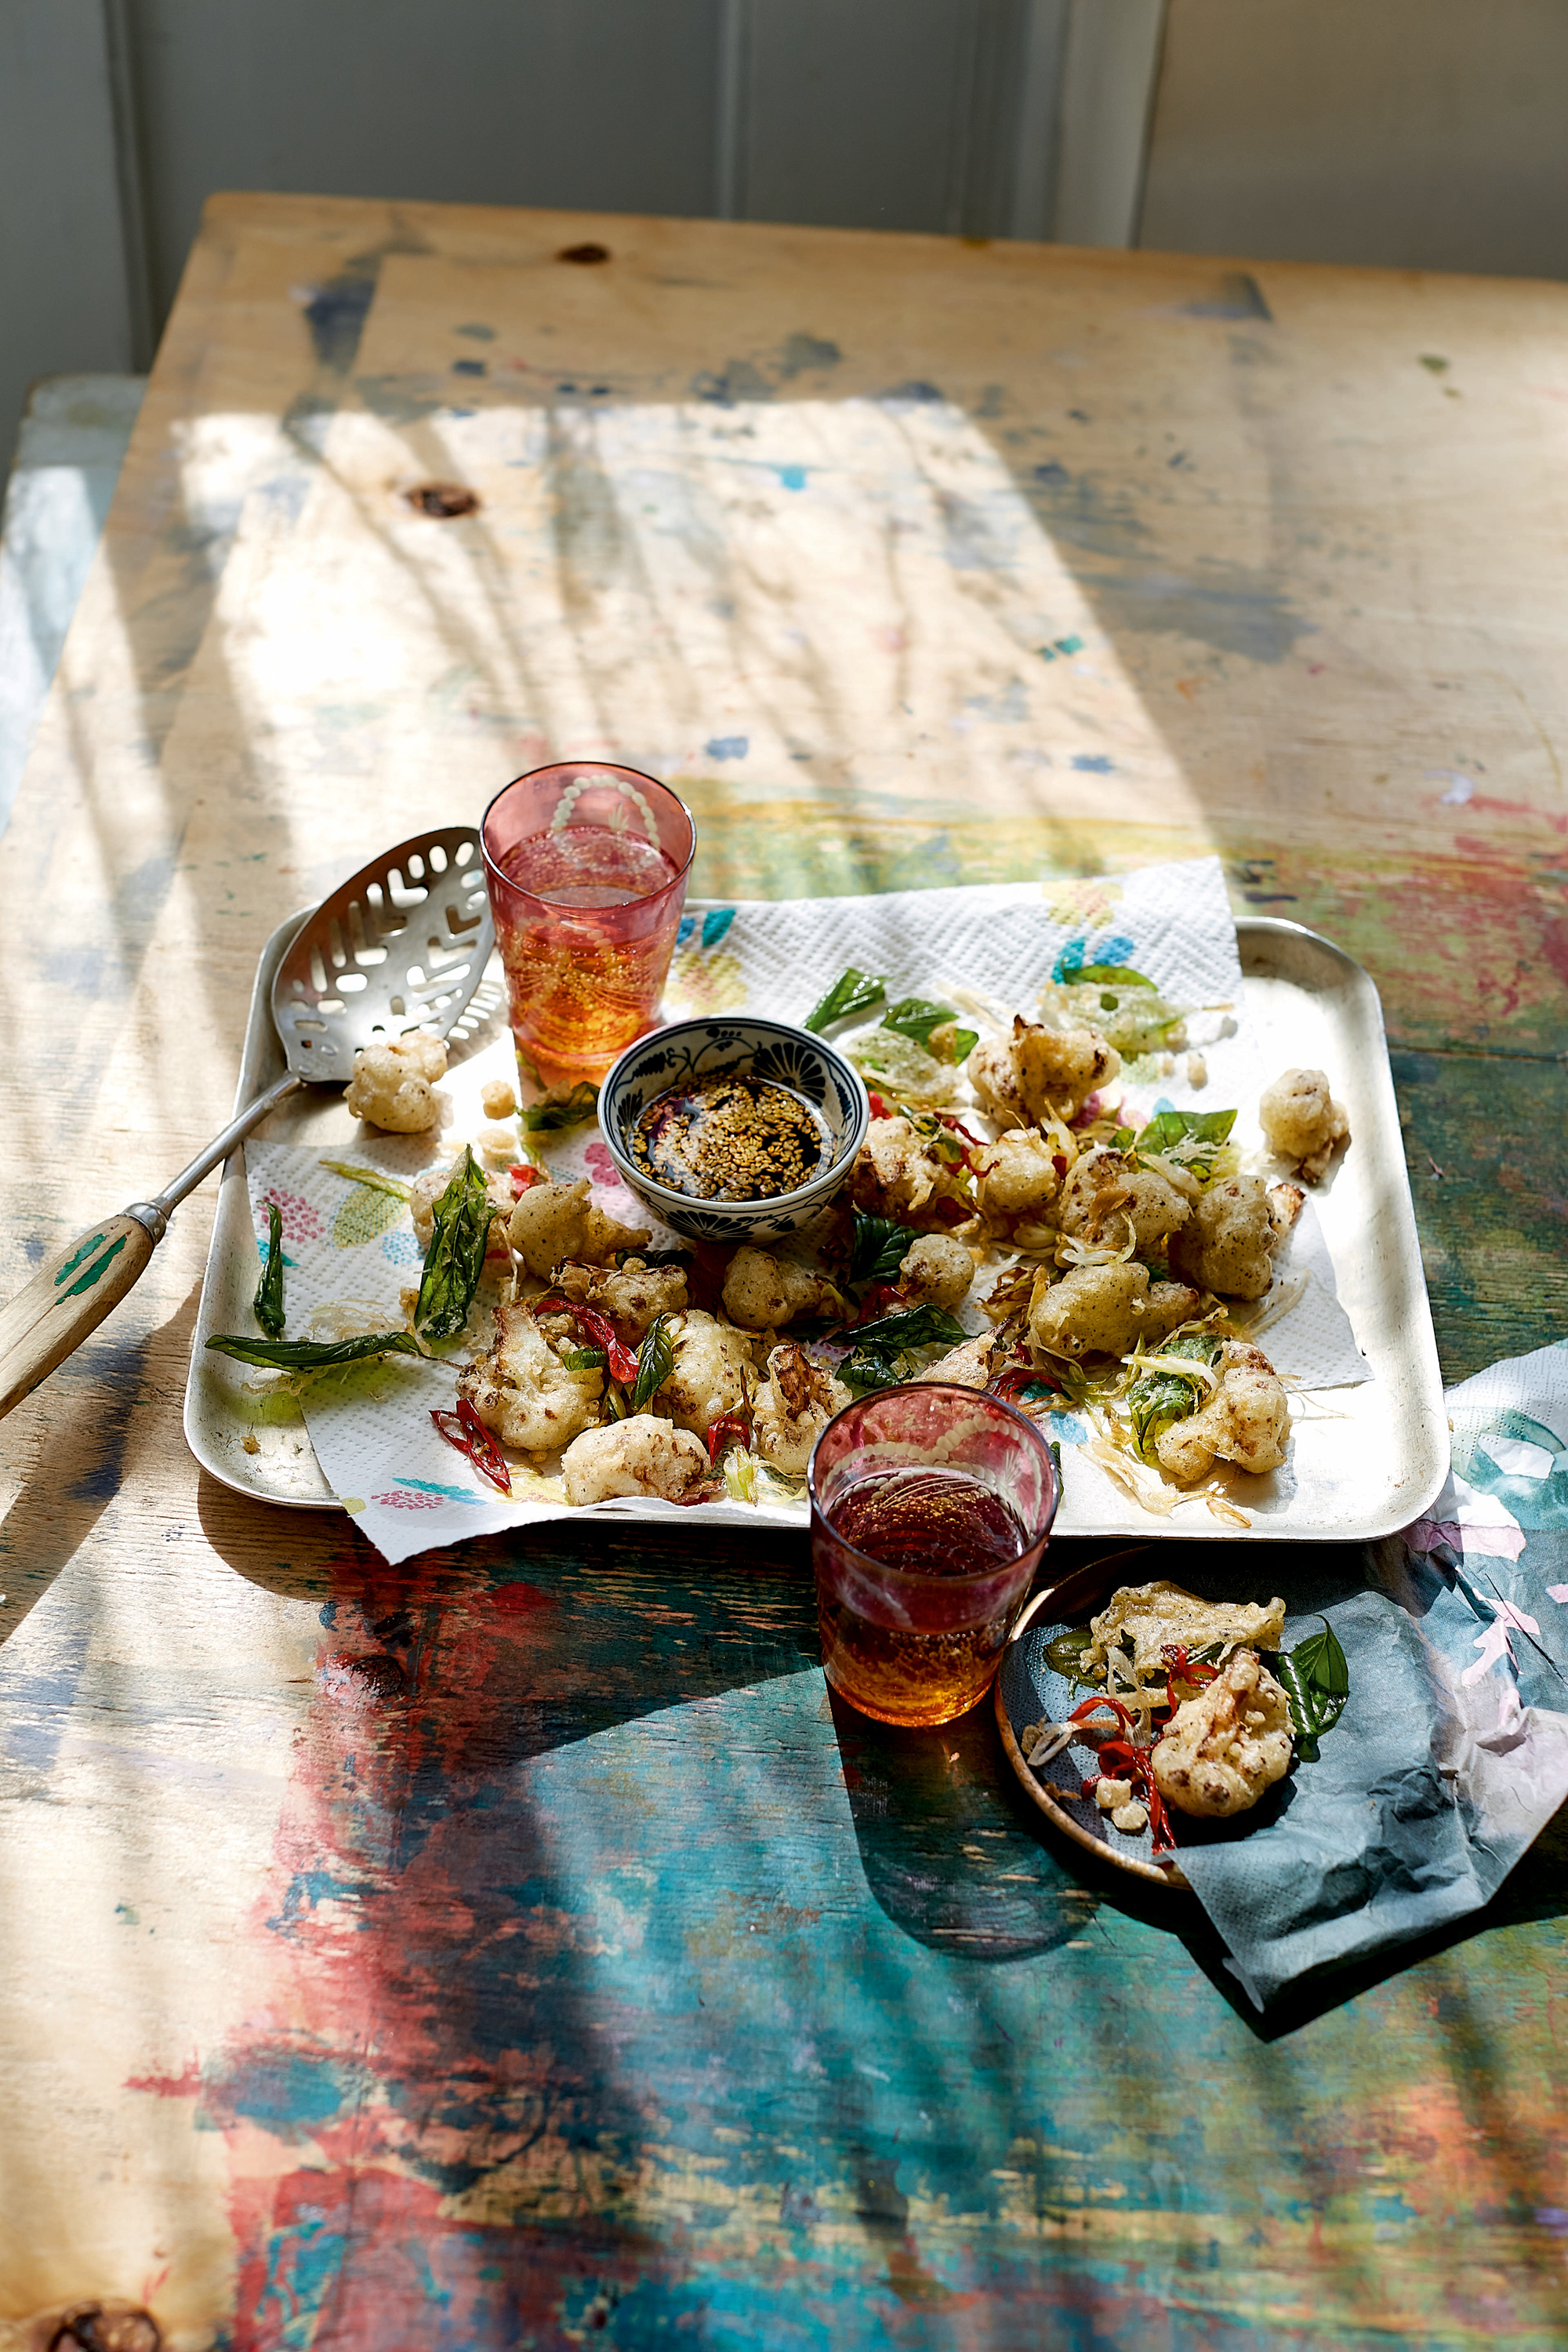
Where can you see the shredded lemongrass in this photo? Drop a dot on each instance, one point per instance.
(1071, 1251)
(375, 1177)
(1185, 1367)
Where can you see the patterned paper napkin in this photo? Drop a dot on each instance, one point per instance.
(349, 1250)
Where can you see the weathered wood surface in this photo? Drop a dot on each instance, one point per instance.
(516, 1948)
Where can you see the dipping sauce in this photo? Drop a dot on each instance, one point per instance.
(730, 1138)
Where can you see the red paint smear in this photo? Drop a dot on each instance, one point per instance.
(517, 1600)
(188, 2085)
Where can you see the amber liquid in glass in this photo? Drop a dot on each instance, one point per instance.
(589, 964)
(932, 1523)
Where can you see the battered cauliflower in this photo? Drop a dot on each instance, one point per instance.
(391, 1086)
(522, 1391)
(1105, 1311)
(631, 1294)
(795, 1404)
(1039, 1071)
(763, 1292)
(899, 1174)
(1227, 1243)
(1303, 1122)
(553, 1221)
(1223, 1746)
(712, 1373)
(644, 1455)
(1019, 1176)
(427, 1190)
(1108, 1198)
(936, 1269)
(968, 1367)
(1246, 1420)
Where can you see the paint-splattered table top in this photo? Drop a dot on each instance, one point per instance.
(517, 1949)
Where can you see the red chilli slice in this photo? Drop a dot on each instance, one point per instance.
(622, 1360)
(465, 1431)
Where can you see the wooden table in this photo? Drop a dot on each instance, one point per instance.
(516, 1948)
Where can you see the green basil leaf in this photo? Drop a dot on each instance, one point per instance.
(1316, 1679)
(854, 991)
(1161, 1399)
(573, 1110)
(1108, 975)
(655, 1361)
(268, 1303)
(456, 1257)
(869, 1368)
(879, 1248)
(911, 1327)
(312, 1355)
(1169, 1127)
(584, 1360)
(964, 1041)
(916, 1017)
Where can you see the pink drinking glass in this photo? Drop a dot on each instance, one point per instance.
(957, 1491)
(586, 866)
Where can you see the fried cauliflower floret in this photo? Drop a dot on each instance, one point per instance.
(1223, 1746)
(1106, 1199)
(899, 1174)
(1246, 1420)
(553, 1221)
(712, 1373)
(427, 1190)
(968, 1367)
(936, 1270)
(1019, 1176)
(795, 1404)
(1303, 1122)
(763, 1292)
(522, 1391)
(497, 1099)
(1105, 1311)
(1039, 1071)
(631, 1294)
(391, 1081)
(1227, 1242)
(644, 1455)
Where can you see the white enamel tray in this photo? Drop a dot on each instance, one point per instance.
(1364, 1461)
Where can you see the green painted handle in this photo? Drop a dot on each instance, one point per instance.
(68, 1297)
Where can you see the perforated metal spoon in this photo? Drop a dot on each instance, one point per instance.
(402, 945)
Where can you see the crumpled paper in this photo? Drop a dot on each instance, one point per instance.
(1452, 1753)
(350, 1251)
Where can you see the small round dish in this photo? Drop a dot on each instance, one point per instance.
(689, 1051)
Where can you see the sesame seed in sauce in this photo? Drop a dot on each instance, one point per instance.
(730, 1138)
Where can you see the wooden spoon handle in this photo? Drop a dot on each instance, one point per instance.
(68, 1297)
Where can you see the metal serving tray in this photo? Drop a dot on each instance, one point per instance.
(1364, 1462)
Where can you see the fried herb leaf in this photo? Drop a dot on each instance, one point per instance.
(571, 1110)
(312, 1355)
(933, 1027)
(1064, 1655)
(1316, 1679)
(584, 1360)
(854, 991)
(269, 1302)
(911, 1327)
(1160, 1398)
(376, 1178)
(1168, 1127)
(869, 1368)
(655, 1361)
(1108, 975)
(879, 1248)
(456, 1257)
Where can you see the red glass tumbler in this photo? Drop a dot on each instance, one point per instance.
(931, 1510)
(586, 867)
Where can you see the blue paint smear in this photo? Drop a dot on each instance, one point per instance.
(336, 315)
(715, 925)
(285, 2091)
(1093, 764)
(916, 389)
(478, 333)
(728, 747)
(329, 1614)
(470, 367)
(688, 925)
(1053, 472)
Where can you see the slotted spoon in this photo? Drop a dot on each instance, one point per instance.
(402, 945)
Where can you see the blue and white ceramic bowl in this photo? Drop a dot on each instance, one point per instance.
(689, 1051)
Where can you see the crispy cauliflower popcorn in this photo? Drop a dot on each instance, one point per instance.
(427, 1190)
(392, 1082)
(632, 1295)
(762, 1292)
(1019, 1176)
(1246, 1420)
(1227, 1744)
(1109, 1199)
(644, 1455)
(795, 1404)
(712, 1374)
(1039, 1072)
(936, 1270)
(1105, 1311)
(1302, 1121)
(1227, 1243)
(523, 1393)
(898, 1173)
(553, 1221)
